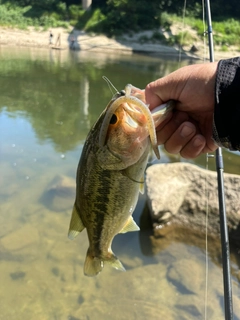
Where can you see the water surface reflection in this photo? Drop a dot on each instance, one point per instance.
(48, 102)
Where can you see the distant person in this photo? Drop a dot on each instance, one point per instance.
(50, 37)
(58, 42)
(72, 42)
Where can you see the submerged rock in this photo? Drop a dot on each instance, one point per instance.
(183, 193)
(17, 275)
(60, 193)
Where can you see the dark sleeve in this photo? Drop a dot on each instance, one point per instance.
(226, 127)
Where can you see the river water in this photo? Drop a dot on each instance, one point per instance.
(48, 102)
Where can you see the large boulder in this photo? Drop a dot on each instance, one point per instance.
(184, 193)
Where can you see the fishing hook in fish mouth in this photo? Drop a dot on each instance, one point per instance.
(127, 98)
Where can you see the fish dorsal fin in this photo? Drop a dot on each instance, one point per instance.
(130, 225)
(76, 224)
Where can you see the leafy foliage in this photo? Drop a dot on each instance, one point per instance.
(115, 17)
(12, 14)
(130, 15)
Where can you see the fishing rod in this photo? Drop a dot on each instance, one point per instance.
(227, 286)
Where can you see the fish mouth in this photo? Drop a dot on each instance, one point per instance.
(133, 116)
(131, 122)
(137, 112)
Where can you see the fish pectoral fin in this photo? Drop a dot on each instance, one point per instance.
(76, 224)
(130, 225)
(141, 188)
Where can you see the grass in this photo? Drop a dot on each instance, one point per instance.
(225, 33)
(15, 16)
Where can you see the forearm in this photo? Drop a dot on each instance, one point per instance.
(226, 128)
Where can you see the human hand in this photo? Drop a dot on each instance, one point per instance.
(188, 129)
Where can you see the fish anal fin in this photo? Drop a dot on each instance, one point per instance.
(130, 225)
(76, 224)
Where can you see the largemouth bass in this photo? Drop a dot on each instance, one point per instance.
(110, 174)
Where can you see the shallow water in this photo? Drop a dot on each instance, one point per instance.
(48, 102)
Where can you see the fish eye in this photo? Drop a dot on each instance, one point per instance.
(113, 119)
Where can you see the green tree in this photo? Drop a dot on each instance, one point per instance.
(130, 15)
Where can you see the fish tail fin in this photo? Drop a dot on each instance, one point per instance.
(114, 262)
(94, 265)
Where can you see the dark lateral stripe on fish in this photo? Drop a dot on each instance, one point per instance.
(102, 204)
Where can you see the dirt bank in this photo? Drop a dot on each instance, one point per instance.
(91, 42)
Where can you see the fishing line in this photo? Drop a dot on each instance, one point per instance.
(206, 185)
(183, 22)
(207, 157)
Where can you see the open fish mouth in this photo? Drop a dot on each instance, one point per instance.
(130, 121)
(136, 110)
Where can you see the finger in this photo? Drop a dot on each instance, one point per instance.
(166, 129)
(210, 146)
(194, 147)
(180, 137)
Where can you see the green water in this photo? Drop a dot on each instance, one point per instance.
(48, 102)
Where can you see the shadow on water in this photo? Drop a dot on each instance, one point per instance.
(49, 101)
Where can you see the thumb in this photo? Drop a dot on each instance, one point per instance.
(168, 87)
(156, 93)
